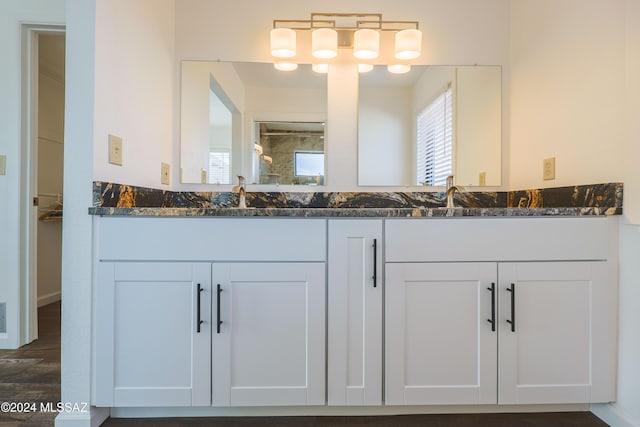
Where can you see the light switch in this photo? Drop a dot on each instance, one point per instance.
(165, 173)
(115, 150)
(3, 165)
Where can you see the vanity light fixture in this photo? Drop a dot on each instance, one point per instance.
(358, 31)
(398, 68)
(320, 68)
(365, 68)
(285, 66)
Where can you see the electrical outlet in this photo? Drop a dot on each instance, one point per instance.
(203, 176)
(165, 173)
(3, 165)
(115, 150)
(549, 168)
(482, 178)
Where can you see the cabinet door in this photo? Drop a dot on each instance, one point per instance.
(439, 344)
(150, 350)
(269, 334)
(355, 312)
(551, 351)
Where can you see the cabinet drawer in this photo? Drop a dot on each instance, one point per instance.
(499, 239)
(206, 239)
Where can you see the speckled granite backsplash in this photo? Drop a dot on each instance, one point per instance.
(596, 195)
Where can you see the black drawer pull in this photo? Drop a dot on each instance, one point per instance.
(199, 320)
(512, 321)
(375, 263)
(218, 321)
(492, 289)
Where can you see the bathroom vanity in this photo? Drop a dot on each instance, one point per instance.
(369, 310)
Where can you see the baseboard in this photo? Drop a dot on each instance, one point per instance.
(49, 298)
(91, 418)
(208, 411)
(611, 415)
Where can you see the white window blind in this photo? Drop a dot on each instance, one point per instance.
(219, 167)
(435, 141)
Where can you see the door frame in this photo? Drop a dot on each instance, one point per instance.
(28, 306)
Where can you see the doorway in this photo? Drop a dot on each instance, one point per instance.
(42, 178)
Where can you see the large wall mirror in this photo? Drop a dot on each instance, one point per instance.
(249, 119)
(417, 128)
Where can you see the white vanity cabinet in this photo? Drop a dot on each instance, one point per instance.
(440, 346)
(165, 336)
(153, 334)
(557, 332)
(354, 305)
(269, 334)
(555, 321)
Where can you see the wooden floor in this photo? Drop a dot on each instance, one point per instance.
(32, 374)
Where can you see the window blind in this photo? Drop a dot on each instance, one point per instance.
(219, 167)
(435, 141)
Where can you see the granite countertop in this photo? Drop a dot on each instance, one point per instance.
(112, 199)
(353, 212)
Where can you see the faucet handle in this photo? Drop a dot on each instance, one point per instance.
(240, 180)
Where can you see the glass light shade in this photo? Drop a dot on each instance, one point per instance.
(366, 43)
(365, 68)
(408, 44)
(283, 42)
(320, 68)
(398, 68)
(324, 43)
(285, 66)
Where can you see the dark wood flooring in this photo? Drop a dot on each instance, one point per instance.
(571, 419)
(32, 374)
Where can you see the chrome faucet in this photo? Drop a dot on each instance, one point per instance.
(450, 192)
(242, 193)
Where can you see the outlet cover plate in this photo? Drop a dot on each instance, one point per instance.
(3, 165)
(165, 173)
(549, 168)
(115, 150)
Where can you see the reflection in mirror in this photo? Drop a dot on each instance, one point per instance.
(290, 153)
(418, 128)
(249, 119)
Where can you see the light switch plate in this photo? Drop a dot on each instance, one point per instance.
(3, 165)
(165, 173)
(549, 168)
(115, 150)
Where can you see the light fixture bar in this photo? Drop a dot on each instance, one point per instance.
(359, 31)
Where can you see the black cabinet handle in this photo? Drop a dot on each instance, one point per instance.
(199, 320)
(512, 321)
(218, 321)
(492, 289)
(375, 263)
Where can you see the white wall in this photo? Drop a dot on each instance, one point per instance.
(195, 126)
(385, 135)
(567, 74)
(478, 125)
(134, 89)
(576, 95)
(50, 164)
(13, 13)
(628, 403)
